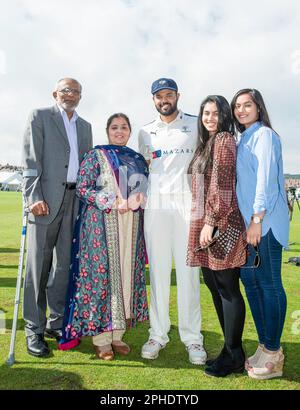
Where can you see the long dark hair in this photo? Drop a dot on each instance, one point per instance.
(117, 115)
(258, 100)
(205, 141)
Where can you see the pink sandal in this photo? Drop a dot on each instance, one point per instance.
(251, 361)
(268, 366)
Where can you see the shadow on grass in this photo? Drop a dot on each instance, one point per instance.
(8, 282)
(31, 378)
(9, 250)
(20, 323)
(291, 250)
(9, 267)
(174, 355)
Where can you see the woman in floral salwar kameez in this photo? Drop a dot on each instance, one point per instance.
(107, 287)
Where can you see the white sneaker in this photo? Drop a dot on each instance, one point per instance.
(151, 349)
(197, 354)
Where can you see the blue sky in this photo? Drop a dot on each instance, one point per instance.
(117, 48)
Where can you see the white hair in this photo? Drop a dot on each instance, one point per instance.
(66, 78)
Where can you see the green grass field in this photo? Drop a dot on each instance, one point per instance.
(78, 369)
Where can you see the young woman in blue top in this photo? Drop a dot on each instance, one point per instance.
(262, 201)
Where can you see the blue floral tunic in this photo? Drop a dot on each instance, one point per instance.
(95, 299)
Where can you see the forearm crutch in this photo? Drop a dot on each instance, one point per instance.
(11, 356)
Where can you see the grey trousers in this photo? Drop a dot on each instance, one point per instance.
(47, 268)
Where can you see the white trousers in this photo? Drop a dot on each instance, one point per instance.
(166, 235)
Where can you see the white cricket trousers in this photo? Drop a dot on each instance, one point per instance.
(166, 235)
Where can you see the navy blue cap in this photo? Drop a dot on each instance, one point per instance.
(162, 84)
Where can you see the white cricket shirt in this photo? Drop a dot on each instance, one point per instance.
(170, 148)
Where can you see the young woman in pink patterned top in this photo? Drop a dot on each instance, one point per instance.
(215, 208)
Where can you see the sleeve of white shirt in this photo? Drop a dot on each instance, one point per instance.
(264, 152)
(144, 147)
(141, 142)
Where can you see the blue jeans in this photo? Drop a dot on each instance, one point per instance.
(264, 290)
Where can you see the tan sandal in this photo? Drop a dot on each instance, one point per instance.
(251, 361)
(120, 347)
(104, 352)
(268, 366)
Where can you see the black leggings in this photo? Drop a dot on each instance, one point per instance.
(229, 303)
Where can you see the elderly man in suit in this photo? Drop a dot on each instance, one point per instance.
(55, 141)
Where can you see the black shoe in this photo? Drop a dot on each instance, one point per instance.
(222, 354)
(36, 345)
(231, 362)
(53, 334)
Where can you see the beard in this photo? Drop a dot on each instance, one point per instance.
(168, 110)
(69, 107)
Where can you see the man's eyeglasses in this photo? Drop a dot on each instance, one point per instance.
(67, 91)
(256, 261)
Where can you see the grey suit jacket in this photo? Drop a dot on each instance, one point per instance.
(46, 153)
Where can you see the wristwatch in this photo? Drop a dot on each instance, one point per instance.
(256, 219)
